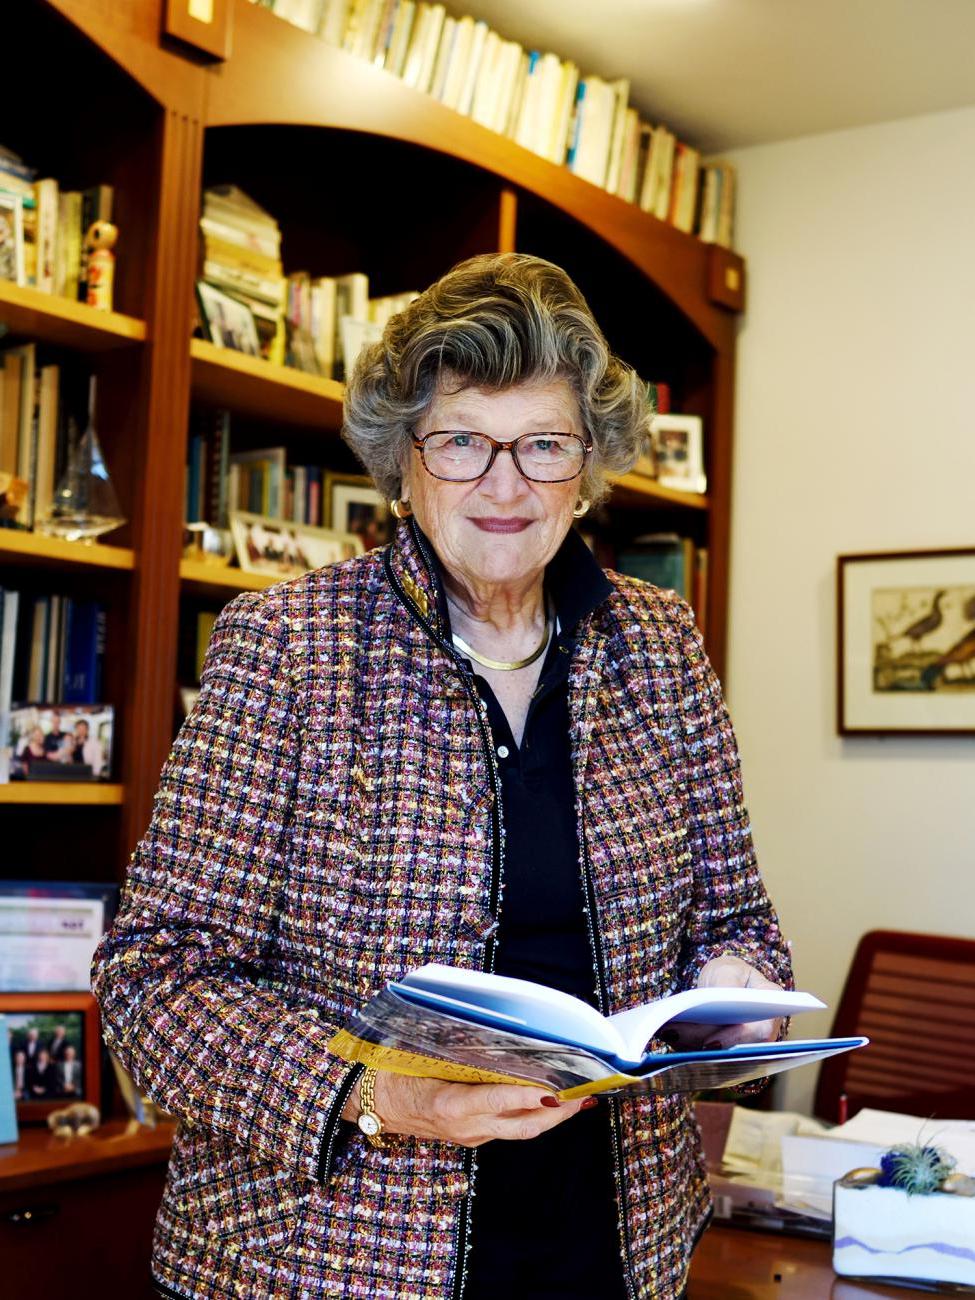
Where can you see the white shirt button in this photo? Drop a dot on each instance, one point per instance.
(502, 751)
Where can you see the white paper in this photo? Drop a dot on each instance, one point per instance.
(46, 944)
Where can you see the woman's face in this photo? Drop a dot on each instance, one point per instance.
(501, 529)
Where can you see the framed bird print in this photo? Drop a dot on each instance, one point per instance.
(906, 643)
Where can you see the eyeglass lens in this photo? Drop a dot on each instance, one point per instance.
(461, 455)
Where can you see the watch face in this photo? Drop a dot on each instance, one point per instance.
(369, 1124)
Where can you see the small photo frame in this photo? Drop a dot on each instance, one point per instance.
(227, 322)
(906, 643)
(678, 450)
(12, 238)
(286, 550)
(50, 930)
(61, 742)
(53, 1046)
(353, 505)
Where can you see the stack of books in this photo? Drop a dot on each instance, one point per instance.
(540, 101)
(240, 253)
(47, 226)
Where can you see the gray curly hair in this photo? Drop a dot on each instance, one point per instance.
(493, 321)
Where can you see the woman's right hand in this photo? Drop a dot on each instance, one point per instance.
(467, 1114)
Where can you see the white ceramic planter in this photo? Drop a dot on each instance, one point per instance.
(883, 1232)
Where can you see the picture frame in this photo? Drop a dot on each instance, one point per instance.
(282, 549)
(354, 505)
(905, 657)
(61, 742)
(227, 322)
(12, 238)
(678, 452)
(59, 1076)
(50, 931)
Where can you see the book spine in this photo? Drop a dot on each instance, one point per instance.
(9, 610)
(47, 235)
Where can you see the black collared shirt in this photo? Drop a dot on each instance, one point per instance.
(544, 1222)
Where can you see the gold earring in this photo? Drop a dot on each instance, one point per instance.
(401, 509)
(581, 508)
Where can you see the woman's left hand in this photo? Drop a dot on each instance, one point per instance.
(727, 972)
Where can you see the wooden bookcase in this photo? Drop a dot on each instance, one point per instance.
(362, 173)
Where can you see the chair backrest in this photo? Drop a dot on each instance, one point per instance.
(913, 995)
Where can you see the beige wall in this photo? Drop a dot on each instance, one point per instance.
(855, 432)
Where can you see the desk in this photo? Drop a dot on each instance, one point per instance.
(735, 1264)
(78, 1213)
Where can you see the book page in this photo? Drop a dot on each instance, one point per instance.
(501, 999)
(391, 1022)
(707, 1006)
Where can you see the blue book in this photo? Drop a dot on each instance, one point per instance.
(445, 1023)
(8, 1110)
(81, 658)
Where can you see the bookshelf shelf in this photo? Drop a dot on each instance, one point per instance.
(254, 386)
(201, 579)
(66, 323)
(638, 491)
(61, 792)
(37, 548)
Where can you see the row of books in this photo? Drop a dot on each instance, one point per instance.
(52, 648)
(40, 409)
(260, 481)
(49, 252)
(540, 101)
(670, 561)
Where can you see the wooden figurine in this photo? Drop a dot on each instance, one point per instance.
(100, 264)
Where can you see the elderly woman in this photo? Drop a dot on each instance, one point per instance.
(471, 747)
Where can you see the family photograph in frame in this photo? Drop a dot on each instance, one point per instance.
(53, 1047)
(354, 506)
(678, 452)
(61, 742)
(227, 322)
(906, 643)
(281, 549)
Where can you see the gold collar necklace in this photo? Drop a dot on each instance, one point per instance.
(499, 664)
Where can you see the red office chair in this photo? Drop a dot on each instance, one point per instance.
(913, 995)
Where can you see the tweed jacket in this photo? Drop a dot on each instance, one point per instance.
(330, 817)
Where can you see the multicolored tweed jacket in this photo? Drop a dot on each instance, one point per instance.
(329, 818)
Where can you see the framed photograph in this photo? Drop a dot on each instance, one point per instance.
(286, 550)
(50, 929)
(352, 505)
(906, 643)
(54, 1050)
(12, 238)
(61, 742)
(678, 450)
(228, 323)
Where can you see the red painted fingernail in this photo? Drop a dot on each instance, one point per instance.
(551, 1101)
(589, 1102)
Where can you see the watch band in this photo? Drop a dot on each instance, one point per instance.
(367, 1120)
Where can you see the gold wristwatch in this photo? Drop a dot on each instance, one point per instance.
(367, 1120)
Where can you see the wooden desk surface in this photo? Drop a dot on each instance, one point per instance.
(39, 1158)
(735, 1264)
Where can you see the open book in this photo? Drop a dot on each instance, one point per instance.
(445, 1023)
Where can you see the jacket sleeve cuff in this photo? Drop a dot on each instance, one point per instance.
(332, 1134)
